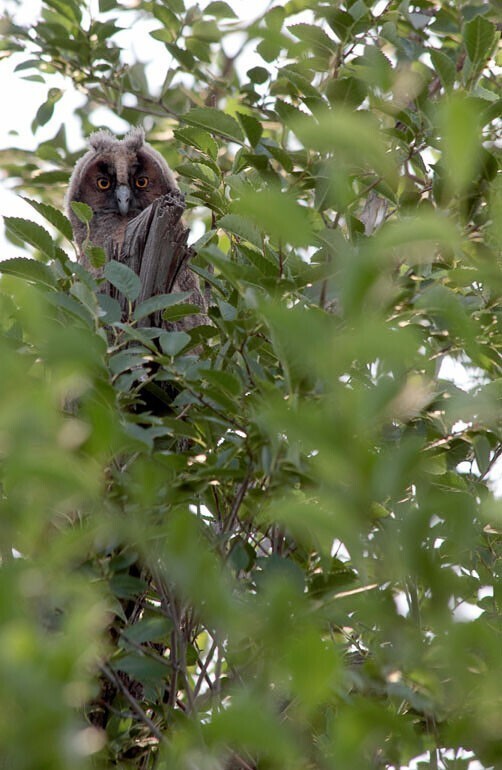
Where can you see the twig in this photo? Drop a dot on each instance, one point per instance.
(114, 679)
(237, 502)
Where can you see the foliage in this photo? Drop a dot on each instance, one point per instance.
(261, 555)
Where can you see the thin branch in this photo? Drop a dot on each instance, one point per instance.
(237, 502)
(203, 669)
(114, 679)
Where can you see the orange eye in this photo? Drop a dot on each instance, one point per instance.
(141, 182)
(103, 183)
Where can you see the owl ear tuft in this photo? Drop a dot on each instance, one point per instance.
(135, 138)
(101, 140)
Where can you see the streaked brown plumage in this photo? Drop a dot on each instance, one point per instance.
(119, 178)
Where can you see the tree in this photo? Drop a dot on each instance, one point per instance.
(262, 555)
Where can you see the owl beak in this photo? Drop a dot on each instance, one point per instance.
(123, 195)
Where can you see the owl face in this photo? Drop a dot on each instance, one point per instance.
(117, 179)
(122, 183)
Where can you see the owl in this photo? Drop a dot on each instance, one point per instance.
(118, 179)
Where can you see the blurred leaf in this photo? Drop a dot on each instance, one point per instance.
(276, 214)
(241, 227)
(151, 629)
(32, 233)
(220, 10)
(356, 135)
(461, 140)
(147, 670)
(29, 269)
(315, 36)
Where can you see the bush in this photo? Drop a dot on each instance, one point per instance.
(294, 561)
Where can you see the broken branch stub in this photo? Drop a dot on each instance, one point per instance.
(156, 248)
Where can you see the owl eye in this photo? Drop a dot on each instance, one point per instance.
(141, 182)
(103, 183)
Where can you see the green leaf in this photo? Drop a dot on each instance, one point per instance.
(355, 135)
(220, 9)
(127, 586)
(131, 358)
(483, 452)
(427, 226)
(269, 48)
(123, 278)
(277, 214)
(252, 127)
(460, 140)
(314, 36)
(349, 91)
(70, 305)
(180, 310)
(168, 19)
(45, 178)
(258, 75)
(146, 669)
(173, 343)
(214, 120)
(340, 22)
(30, 269)
(112, 312)
(274, 18)
(32, 233)
(43, 115)
(185, 58)
(155, 629)
(96, 255)
(373, 67)
(82, 211)
(479, 38)
(176, 6)
(197, 137)
(444, 67)
(241, 227)
(158, 302)
(201, 172)
(84, 295)
(224, 380)
(54, 216)
(165, 35)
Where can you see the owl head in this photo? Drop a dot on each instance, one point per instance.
(117, 178)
